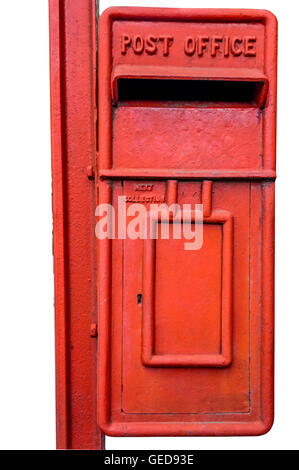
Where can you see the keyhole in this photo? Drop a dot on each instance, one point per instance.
(139, 298)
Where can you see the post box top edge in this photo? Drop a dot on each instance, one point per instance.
(187, 14)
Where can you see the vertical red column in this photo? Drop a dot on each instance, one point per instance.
(73, 116)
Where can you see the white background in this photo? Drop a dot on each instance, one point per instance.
(27, 381)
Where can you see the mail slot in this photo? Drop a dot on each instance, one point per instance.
(187, 105)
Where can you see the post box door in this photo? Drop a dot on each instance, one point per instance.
(187, 117)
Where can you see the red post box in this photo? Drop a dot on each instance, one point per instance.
(187, 118)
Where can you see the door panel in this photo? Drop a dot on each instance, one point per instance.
(196, 390)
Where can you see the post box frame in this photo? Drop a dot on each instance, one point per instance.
(262, 419)
(224, 357)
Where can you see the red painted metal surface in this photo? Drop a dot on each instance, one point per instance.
(73, 116)
(152, 339)
(186, 338)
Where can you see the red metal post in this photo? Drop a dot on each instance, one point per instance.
(73, 117)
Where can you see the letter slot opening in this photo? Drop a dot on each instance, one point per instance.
(249, 93)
